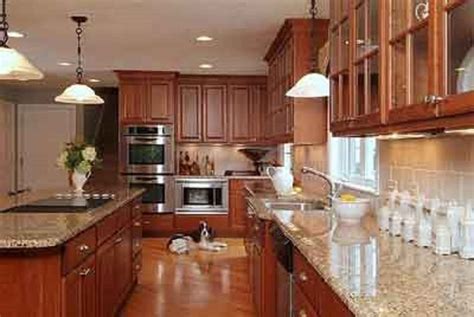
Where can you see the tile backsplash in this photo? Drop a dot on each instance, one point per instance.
(442, 166)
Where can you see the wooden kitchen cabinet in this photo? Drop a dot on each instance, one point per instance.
(146, 97)
(220, 109)
(407, 66)
(294, 120)
(189, 113)
(214, 113)
(237, 207)
(79, 291)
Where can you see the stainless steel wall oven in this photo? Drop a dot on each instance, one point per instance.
(159, 194)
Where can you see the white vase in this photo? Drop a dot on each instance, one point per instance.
(79, 180)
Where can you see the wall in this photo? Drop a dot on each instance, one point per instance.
(225, 157)
(6, 147)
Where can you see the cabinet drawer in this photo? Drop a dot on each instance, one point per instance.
(137, 231)
(124, 216)
(106, 228)
(307, 279)
(302, 306)
(78, 248)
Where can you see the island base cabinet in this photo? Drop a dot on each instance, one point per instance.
(114, 272)
(79, 291)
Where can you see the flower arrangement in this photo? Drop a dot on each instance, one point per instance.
(78, 157)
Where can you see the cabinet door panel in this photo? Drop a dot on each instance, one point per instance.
(106, 285)
(215, 113)
(79, 291)
(133, 101)
(123, 263)
(240, 111)
(161, 104)
(190, 123)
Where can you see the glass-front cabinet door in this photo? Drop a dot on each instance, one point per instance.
(410, 82)
(366, 63)
(456, 46)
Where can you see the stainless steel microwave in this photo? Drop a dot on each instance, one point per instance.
(198, 195)
(148, 149)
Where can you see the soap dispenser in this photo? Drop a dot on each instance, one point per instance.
(467, 234)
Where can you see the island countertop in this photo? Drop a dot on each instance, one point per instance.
(374, 273)
(46, 230)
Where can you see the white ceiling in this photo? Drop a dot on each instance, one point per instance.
(150, 34)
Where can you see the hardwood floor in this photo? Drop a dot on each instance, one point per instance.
(201, 284)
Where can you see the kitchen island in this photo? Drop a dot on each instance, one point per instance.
(367, 272)
(69, 263)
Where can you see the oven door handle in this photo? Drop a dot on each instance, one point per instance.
(145, 139)
(146, 179)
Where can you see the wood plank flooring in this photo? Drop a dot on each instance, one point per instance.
(201, 284)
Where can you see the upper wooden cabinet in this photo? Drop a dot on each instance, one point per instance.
(147, 97)
(220, 109)
(294, 120)
(401, 66)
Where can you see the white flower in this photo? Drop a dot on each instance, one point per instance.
(62, 159)
(84, 167)
(89, 153)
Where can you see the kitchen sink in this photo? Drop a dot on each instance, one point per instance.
(294, 205)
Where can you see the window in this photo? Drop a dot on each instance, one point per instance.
(355, 160)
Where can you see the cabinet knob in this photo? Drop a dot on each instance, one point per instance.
(138, 267)
(84, 248)
(146, 222)
(118, 240)
(137, 224)
(136, 207)
(302, 313)
(85, 272)
(303, 277)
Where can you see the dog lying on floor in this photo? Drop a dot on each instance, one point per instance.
(202, 239)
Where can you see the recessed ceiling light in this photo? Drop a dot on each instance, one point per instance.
(206, 66)
(64, 64)
(204, 38)
(15, 34)
(94, 80)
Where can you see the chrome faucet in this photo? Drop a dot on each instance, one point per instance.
(325, 177)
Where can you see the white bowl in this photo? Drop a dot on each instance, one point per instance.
(351, 211)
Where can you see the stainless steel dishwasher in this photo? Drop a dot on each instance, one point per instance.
(283, 249)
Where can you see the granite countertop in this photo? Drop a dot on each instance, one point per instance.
(46, 230)
(243, 177)
(373, 273)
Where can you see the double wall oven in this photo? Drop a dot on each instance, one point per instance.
(148, 155)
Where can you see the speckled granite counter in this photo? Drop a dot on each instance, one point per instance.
(376, 274)
(45, 230)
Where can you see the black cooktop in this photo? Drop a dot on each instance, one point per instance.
(62, 205)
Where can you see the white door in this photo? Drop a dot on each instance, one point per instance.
(43, 131)
(7, 148)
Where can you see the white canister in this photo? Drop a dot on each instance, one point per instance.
(408, 231)
(384, 218)
(442, 239)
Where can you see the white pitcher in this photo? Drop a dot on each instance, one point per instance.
(79, 180)
(282, 180)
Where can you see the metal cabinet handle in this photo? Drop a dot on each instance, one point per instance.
(136, 207)
(303, 277)
(302, 313)
(84, 248)
(146, 222)
(118, 240)
(85, 272)
(138, 267)
(137, 224)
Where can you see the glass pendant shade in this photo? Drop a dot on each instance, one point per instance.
(79, 94)
(312, 85)
(15, 66)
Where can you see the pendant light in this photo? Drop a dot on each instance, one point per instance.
(13, 65)
(79, 93)
(313, 84)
